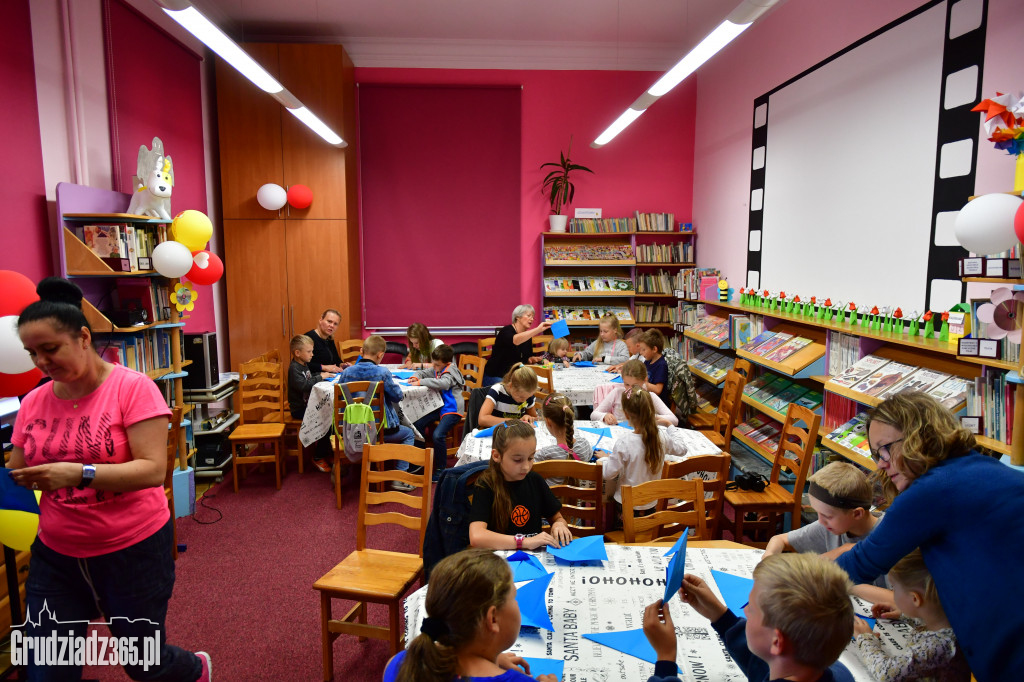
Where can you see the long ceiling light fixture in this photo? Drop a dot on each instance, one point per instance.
(738, 21)
(193, 21)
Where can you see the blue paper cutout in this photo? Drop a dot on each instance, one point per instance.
(631, 642)
(870, 621)
(559, 329)
(483, 433)
(525, 566)
(581, 549)
(675, 570)
(681, 542)
(735, 590)
(545, 666)
(625, 425)
(403, 373)
(601, 431)
(616, 380)
(533, 603)
(584, 363)
(14, 496)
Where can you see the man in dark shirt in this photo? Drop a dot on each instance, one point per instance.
(325, 353)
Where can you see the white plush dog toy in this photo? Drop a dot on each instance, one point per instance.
(153, 183)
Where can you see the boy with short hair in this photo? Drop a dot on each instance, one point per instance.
(445, 378)
(368, 369)
(630, 339)
(650, 345)
(300, 382)
(799, 620)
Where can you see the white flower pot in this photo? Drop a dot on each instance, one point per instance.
(558, 222)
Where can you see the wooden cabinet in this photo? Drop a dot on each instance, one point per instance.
(284, 268)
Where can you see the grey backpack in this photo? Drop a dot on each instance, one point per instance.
(358, 427)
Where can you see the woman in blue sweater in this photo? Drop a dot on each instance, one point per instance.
(966, 513)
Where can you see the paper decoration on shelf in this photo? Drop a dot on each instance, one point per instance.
(735, 590)
(184, 297)
(631, 642)
(1004, 121)
(152, 185)
(533, 603)
(545, 666)
(1000, 315)
(525, 566)
(560, 329)
(581, 549)
(676, 568)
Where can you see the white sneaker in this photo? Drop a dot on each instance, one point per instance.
(402, 486)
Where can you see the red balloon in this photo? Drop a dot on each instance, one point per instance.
(19, 384)
(1018, 222)
(207, 267)
(300, 196)
(18, 290)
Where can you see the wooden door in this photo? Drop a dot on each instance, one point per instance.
(317, 262)
(308, 159)
(249, 124)
(257, 288)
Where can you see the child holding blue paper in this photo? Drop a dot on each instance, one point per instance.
(799, 620)
(472, 617)
(610, 411)
(608, 349)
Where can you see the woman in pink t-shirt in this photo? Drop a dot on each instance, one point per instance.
(94, 441)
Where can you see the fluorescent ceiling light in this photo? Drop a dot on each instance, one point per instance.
(628, 116)
(716, 40)
(316, 125)
(215, 39)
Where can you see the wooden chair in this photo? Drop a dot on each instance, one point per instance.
(796, 448)
(173, 433)
(718, 426)
(261, 417)
(743, 366)
(377, 576)
(713, 470)
(472, 369)
(484, 347)
(358, 389)
(540, 344)
(644, 528)
(545, 381)
(292, 444)
(349, 349)
(582, 506)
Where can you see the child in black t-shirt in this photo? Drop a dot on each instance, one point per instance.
(510, 499)
(651, 345)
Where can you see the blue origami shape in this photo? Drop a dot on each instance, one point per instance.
(625, 425)
(616, 380)
(680, 543)
(484, 433)
(545, 666)
(525, 566)
(676, 569)
(14, 496)
(631, 642)
(584, 363)
(600, 430)
(870, 621)
(560, 328)
(403, 373)
(735, 590)
(533, 603)
(581, 549)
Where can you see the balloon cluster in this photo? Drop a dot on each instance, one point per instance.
(273, 197)
(18, 374)
(185, 255)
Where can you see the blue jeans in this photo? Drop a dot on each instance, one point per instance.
(490, 381)
(440, 434)
(403, 436)
(133, 583)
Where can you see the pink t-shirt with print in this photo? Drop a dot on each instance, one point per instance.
(86, 523)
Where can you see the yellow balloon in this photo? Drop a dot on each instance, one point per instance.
(18, 528)
(193, 229)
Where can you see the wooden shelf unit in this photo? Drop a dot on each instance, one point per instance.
(722, 345)
(706, 377)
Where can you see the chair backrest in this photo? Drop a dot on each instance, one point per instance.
(581, 493)
(473, 405)
(540, 343)
(261, 393)
(729, 406)
(173, 434)
(713, 470)
(485, 346)
(472, 369)
(350, 349)
(371, 476)
(396, 348)
(545, 381)
(796, 446)
(744, 367)
(662, 491)
(464, 348)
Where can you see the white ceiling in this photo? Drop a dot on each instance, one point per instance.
(487, 34)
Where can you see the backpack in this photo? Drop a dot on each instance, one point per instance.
(359, 427)
(680, 384)
(448, 526)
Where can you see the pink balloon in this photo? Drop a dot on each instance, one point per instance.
(206, 267)
(1018, 222)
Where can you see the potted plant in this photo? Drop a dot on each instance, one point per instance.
(559, 187)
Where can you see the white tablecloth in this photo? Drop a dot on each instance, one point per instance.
(578, 383)
(585, 599)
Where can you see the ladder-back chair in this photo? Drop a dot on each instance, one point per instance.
(646, 528)
(713, 470)
(261, 409)
(581, 493)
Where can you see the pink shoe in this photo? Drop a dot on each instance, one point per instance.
(207, 673)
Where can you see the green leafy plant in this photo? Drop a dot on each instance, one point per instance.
(557, 184)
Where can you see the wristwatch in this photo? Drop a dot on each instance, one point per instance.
(519, 541)
(88, 473)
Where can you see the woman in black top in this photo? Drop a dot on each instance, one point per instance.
(512, 344)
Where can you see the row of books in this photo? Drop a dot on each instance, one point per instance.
(712, 363)
(742, 328)
(777, 392)
(601, 225)
(1009, 352)
(665, 253)
(775, 346)
(146, 295)
(585, 252)
(677, 343)
(881, 378)
(763, 430)
(588, 314)
(131, 241)
(708, 397)
(842, 350)
(688, 281)
(150, 350)
(711, 327)
(588, 284)
(853, 434)
(991, 397)
(656, 222)
(655, 313)
(660, 282)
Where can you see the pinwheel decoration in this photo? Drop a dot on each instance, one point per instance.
(1000, 317)
(184, 297)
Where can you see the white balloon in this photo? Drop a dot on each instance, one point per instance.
(14, 359)
(271, 196)
(172, 259)
(985, 225)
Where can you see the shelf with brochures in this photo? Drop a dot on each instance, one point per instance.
(849, 454)
(722, 344)
(989, 362)
(754, 445)
(804, 363)
(589, 263)
(993, 444)
(761, 407)
(706, 377)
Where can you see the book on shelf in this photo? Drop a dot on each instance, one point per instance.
(923, 379)
(884, 378)
(679, 252)
(708, 397)
(811, 399)
(740, 330)
(771, 344)
(585, 252)
(837, 434)
(781, 400)
(785, 350)
(777, 383)
(587, 314)
(655, 222)
(951, 392)
(688, 281)
(843, 351)
(755, 422)
(992, 397)
(757, 383)
(860, 370)
(750, 345)
(601, 225)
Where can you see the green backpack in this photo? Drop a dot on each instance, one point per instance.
(358, 427)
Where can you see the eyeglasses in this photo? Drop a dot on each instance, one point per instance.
(884, 453)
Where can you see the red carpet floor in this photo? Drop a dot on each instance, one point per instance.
(244, 585)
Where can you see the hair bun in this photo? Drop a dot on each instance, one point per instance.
(58, 290)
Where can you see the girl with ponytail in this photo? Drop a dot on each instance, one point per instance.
(511, 399)
(637, 457)
(559, 416)
(472, 617)
(510, 500)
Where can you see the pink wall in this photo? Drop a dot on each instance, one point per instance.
(649, 167)
(792, 38)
